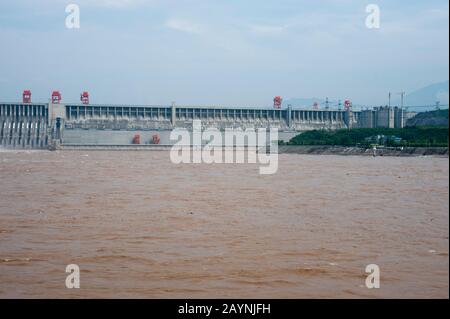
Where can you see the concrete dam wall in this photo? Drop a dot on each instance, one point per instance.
(166, 118)
(39, 125)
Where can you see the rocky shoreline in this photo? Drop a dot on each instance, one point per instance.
(353, 150)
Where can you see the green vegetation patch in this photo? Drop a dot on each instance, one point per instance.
(409, 136)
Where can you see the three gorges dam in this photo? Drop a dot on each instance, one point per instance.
(43, 125)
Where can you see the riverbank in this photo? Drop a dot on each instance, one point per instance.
(353, 150)
(282, 149)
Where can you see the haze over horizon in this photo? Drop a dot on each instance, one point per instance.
(221, 52)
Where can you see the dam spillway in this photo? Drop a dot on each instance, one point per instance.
(30, 125)
(169, 117)
(24, 125)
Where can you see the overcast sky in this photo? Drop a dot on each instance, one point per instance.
(221, 52)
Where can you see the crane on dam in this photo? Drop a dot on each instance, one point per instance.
(347, 104)
(84, 98)
(277, 100)
(56, 97)
(26, 96)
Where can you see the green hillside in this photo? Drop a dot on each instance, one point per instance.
(431, 118)
(410, 136)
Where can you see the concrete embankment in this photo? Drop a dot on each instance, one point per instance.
(344, 150)
(109, 147)
(140, 147)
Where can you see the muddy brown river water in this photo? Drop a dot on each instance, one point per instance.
(139, 226)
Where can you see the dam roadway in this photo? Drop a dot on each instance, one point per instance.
(37, 125)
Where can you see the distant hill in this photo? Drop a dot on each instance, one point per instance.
(428, 96)
(430, 118)
(416, 100)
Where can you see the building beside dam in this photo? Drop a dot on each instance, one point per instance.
(38, 125)
(383, 116)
